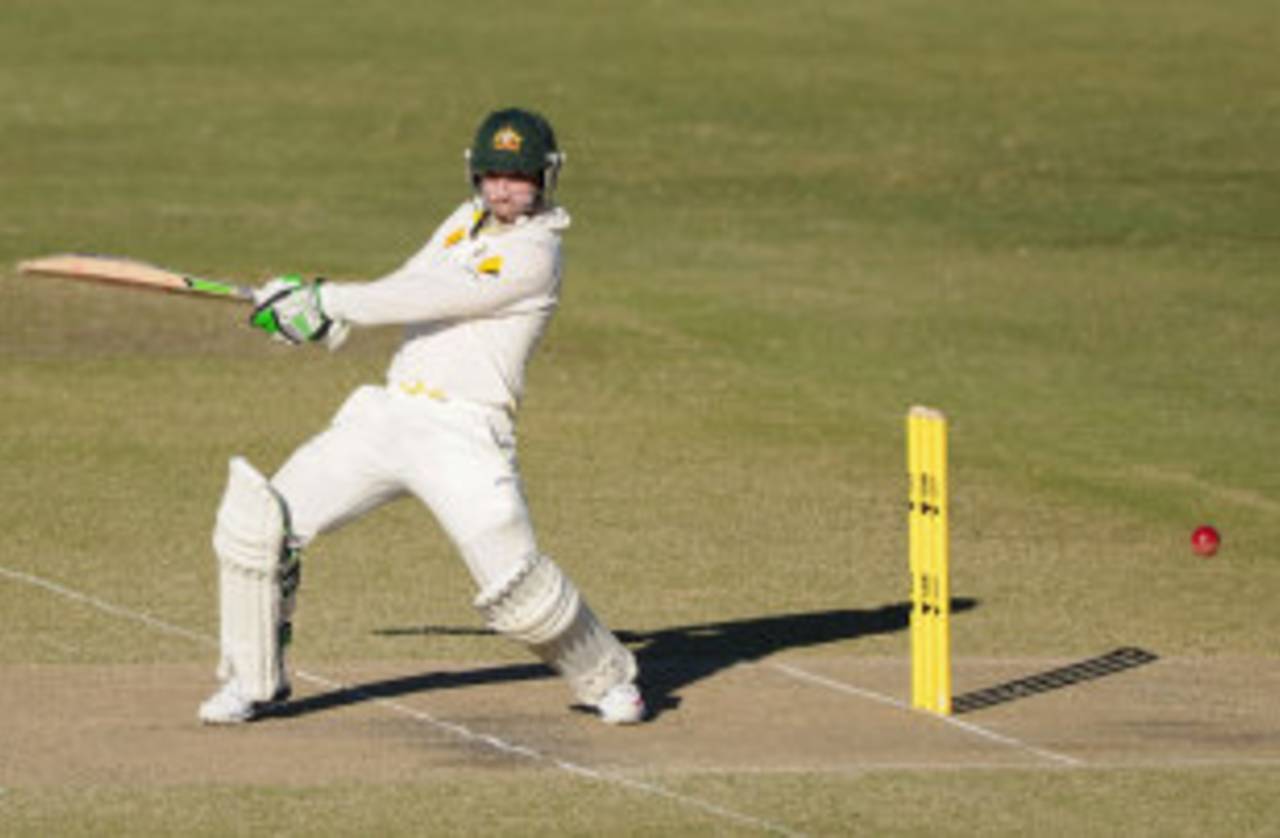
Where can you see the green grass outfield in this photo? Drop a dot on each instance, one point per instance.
(1057, 221)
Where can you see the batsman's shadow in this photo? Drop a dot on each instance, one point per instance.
(673, 658)
(670, 659)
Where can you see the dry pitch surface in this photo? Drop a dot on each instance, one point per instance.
(86, 725)
(134, 725)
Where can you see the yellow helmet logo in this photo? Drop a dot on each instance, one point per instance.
(507, 139)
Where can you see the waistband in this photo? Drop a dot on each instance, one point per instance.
(423, 390)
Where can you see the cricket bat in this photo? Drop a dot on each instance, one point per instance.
(130, 273)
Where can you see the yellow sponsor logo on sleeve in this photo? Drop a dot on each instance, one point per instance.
(491, 266)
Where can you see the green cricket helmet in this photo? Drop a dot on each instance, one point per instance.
(514, 140)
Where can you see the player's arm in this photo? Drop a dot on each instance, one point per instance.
(440, 289)
(291, 310)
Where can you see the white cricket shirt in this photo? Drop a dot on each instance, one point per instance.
(474, 301)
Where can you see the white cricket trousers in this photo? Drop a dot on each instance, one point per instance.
(457, 457)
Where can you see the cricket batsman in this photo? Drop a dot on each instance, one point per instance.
(473, 303)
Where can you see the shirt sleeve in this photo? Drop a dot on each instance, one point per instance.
(442, 289)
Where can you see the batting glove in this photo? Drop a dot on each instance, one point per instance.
(290, 310)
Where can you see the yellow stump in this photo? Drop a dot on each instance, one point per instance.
(929, 561)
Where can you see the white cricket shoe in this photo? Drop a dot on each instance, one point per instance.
(622, 705)
(228, 706)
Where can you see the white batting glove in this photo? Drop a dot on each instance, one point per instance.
(290, 310)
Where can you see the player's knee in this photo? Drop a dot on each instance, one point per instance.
(500, 549)
(302, 523)
(540, 606)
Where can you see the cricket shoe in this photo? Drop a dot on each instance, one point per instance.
(228, 706)
(622, 705)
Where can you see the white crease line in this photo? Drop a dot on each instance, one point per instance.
(114, 610)
(564, 765)
(454, 728)
(983, 732)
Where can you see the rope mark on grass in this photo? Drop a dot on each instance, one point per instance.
(458, 730)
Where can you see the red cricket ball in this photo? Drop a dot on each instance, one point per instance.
(1205, 540)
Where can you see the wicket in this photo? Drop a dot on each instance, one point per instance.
(929, 560)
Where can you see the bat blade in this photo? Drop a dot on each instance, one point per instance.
(131, 273)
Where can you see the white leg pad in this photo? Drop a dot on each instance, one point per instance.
(258, 578)
(540, 606)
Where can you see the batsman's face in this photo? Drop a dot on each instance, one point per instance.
(508, 196)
